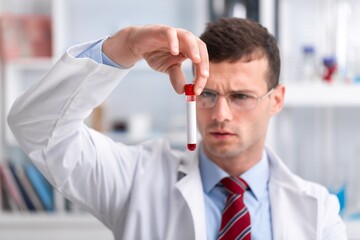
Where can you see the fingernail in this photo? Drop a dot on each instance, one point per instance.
(206, 72)
(198, 91)
(175, 50)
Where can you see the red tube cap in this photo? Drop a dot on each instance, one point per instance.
(189, 89)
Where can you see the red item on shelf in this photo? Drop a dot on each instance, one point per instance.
(25, 36)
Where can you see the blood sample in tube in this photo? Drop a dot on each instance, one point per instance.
(190, 116)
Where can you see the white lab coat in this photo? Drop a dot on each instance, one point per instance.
(146, 191)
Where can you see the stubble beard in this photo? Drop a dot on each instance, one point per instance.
(226, 149)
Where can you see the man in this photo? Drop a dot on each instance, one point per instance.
(149, 191)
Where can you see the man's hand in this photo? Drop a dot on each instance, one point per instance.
(164, 49)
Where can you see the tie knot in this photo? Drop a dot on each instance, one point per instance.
(235, 185)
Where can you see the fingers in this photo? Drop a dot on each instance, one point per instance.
(189, 45)
(165, 48)
(201, 69)
(173, 41)
(199, 84)
(195, 49)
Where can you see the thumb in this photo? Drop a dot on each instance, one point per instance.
(177, 78)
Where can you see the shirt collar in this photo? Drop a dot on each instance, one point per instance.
(211, 174)
(257, 177)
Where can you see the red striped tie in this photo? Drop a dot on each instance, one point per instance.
(235, 223)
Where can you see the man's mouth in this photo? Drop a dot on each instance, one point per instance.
(221, 134)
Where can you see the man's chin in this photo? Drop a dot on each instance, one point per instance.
(221, 150)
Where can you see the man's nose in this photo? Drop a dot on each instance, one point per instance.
(222, 110)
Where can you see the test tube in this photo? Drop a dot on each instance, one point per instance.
(190, 116)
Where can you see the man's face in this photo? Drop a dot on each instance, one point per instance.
(228, 132)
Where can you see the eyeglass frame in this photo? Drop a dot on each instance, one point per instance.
(229, 101)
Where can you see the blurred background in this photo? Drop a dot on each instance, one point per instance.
(317, 133)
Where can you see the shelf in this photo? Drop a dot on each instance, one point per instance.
(56, 220)
(322, 95)
(52, 226)
(69, 226)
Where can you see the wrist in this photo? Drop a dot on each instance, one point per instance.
(119, 48)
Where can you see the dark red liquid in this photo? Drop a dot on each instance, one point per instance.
(191, 146)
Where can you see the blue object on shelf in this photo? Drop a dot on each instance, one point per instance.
(355, 216)
(41, 186)
(329, 61)
(308, 49)
(22, 189)
(341, 195)
(357, 79)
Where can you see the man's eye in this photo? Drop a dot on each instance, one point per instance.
(207, 94)
(240, 96)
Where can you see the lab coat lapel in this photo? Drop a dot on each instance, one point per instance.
(293, 210)
(190, 186)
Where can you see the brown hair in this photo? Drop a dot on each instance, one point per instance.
(233, 39)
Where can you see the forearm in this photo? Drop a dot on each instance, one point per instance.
(48, 122)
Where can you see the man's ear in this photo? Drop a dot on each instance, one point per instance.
(278, 97)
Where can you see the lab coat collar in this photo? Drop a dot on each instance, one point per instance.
(190, 186)
(293, 207)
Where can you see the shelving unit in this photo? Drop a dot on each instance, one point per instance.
(69, 27)
(316, 133)
(321, 105)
